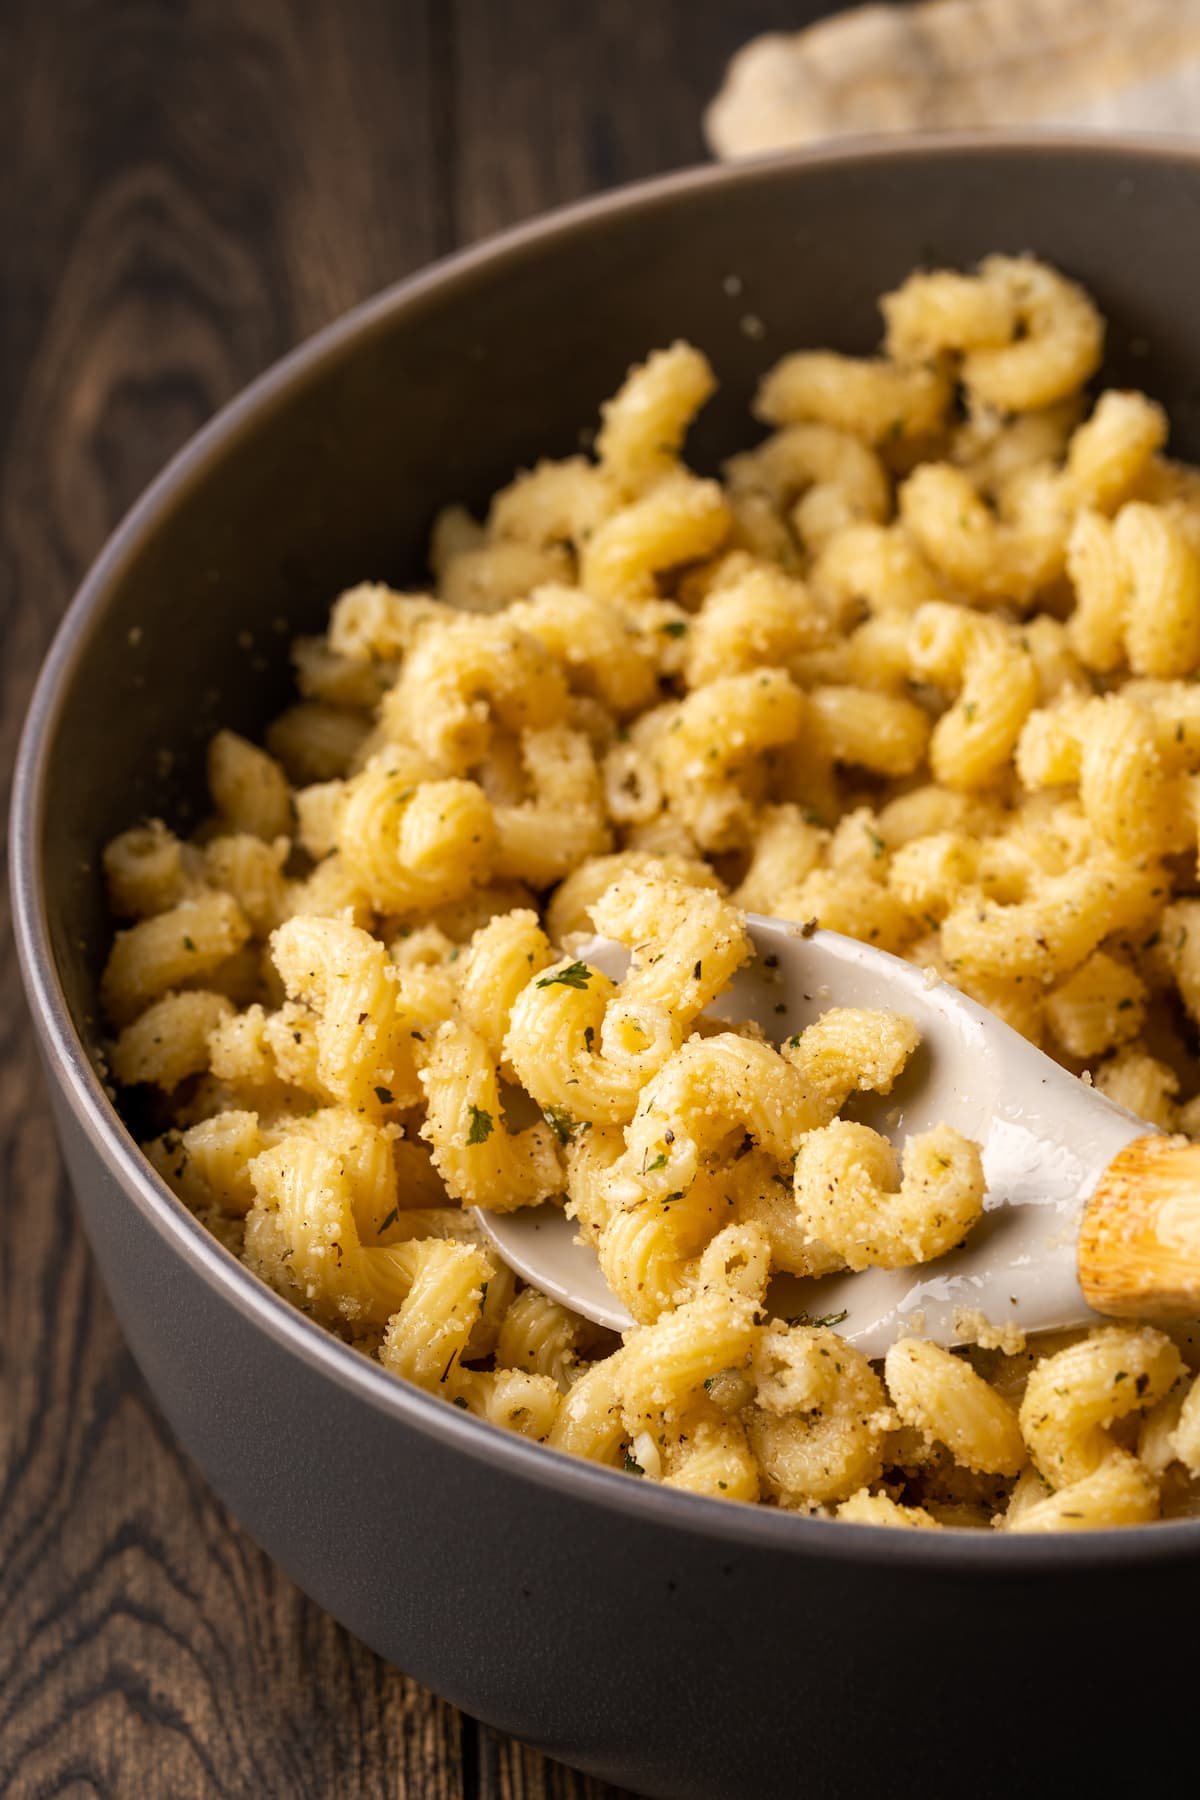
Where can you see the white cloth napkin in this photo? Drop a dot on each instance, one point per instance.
(1131, 65)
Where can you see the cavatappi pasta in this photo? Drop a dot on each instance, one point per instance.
(919, 666)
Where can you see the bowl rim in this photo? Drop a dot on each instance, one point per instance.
(994, 1554)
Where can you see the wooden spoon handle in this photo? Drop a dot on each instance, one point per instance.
(1139, 1243)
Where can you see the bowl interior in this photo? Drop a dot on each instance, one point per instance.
(331, 469)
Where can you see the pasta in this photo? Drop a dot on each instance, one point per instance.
(920, 666)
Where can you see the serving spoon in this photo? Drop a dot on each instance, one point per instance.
(1086, 1213)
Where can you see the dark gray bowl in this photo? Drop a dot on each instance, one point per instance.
(664, 1641)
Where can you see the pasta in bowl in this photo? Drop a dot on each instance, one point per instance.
(915, 667)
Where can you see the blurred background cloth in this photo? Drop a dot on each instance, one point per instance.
(1132, 65)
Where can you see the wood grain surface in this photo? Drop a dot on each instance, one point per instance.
(188, 190)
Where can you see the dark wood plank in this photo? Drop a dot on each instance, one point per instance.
(511, 1771)
(188, 192)
(555, 100)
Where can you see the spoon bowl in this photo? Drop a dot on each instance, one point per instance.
(1047, 1139)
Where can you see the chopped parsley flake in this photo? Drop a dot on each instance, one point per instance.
(390, 1220)
(575, 975)
(560, 1122)
(823, 1321)
(188, 944)
(384, 1096)
(480, 1129)
(674, 627)
(632, 1467)
(589, 1036)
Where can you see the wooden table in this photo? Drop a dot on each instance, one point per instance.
(187, 190)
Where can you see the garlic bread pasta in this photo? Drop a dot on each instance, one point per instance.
(918, 665)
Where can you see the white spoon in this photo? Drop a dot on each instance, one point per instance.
(1068, 1232)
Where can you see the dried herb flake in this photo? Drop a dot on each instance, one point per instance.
(575, 975)
(481, 1126)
